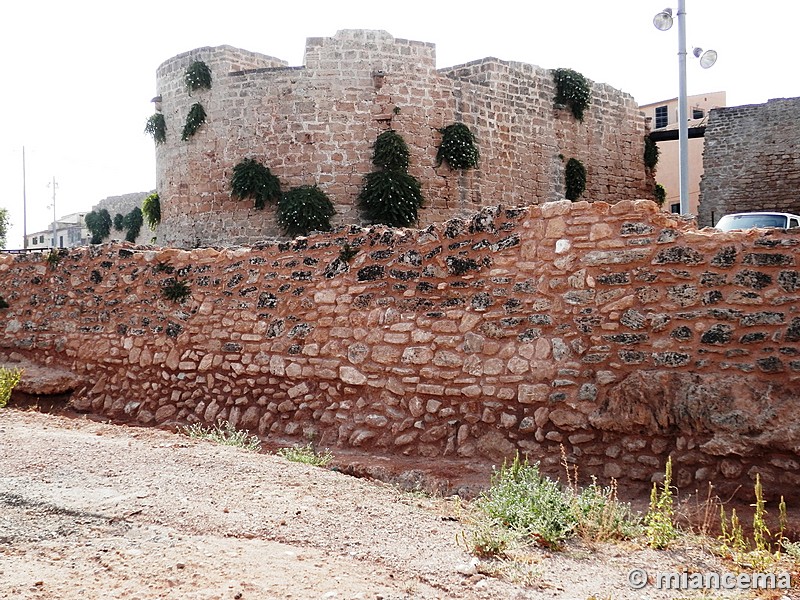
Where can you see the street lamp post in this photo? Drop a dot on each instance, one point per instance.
(662, 22)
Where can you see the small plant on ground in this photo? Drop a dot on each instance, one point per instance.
(575, 179)
(151, 210)
(176, 290)
(458, 147)
(197, 76)
(573, 91)
(195, 118)
(304, 209)
(602, 516)
(307, 455)
(157, 128)
(390, 196)
(659, 525)
(9, 378)
(253, 180)
(223, 433)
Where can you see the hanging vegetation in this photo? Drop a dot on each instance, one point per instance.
(157, 128)
(660, 193)
(458, 147)
(198, 76)
(176, 290)
(251, 179)
(390, 196)
(119, 224)
(195, 118)
(3, 303)
(99, 225)
(304, 209)
(572, 90)
(151, 209)
(575, 179)
(651, 153)
(133, 224)
(390, 152)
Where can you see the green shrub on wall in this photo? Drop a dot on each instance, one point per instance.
(458, 147)
(3, 302)
(651, 153)
(575, 179)
(151, 209)
(660, 193)
(197, 76)
(304, 209)
(99, 225)
(119, 222)
(157, 128)
(572, 90)
(195, 118)
(133, 224)
(390, 196)
(251, 179)
(176, 290)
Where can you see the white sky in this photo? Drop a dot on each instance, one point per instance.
(77, 77)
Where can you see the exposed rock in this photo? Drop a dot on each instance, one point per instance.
(40, 380)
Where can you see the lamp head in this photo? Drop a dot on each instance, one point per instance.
(663, 20)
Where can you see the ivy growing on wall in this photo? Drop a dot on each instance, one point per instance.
(99, 223)
(151, 210)
(304, 209)
(651, 153)
(3, 303)
(133, 224)
(176, 290)
(119, 222)
(390, 196)
(195, 118)
(572, 90)
(197, 76)
(458, 147)
(253, 180)
(660, 194)
(157, 128)
(575, 179)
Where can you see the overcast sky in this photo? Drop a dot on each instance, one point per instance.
(78, 76)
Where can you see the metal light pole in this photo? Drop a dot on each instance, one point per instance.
(683, 110)
(662, 22)
(55, 185)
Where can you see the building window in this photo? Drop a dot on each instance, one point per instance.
(675, 208)
(41, 239)
(662, 117)
(698, 113)
(34, 241)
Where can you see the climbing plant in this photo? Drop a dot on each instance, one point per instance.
(195, 118)
(651, 153)
(390, 196)
(660, 193)
(151, 209)
(304, 209)
(458, 147)
(133, 224)
(157, 128)
(119, 222)
(197, 76)
(575, 179)
(99, 225)
(251, 179)
(572, 90)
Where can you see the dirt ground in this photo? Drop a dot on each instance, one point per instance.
(91, 510)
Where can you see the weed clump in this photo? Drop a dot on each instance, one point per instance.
(307, 455)
(9, 378)
(222, 433)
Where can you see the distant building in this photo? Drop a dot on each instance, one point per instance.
(70, 231)
(663, 120)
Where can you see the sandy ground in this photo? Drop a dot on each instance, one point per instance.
(90, 510)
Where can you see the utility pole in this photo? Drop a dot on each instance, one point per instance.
(55, 185)
(24, 205)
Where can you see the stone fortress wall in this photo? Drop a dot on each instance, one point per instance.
(617, 331)
(751, 160)
(317, 123)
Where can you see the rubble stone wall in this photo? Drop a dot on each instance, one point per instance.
(316, 124)
(751, 160)
(615, 331)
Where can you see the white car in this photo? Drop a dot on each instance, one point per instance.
(758, 219)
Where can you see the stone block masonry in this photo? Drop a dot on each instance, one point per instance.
(751, 160)
(316, 124)
(614, 331)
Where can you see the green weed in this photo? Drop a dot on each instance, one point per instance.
(658, 521)
(9, 378)
(223, 433)
(307, 455)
